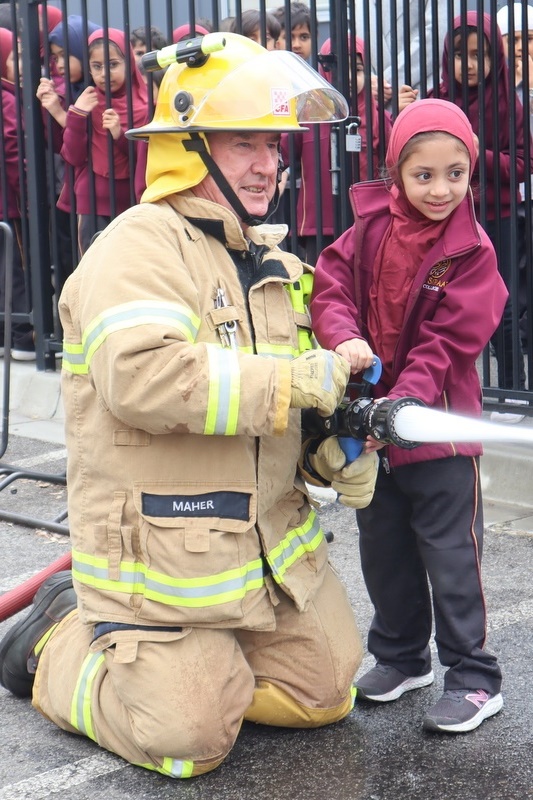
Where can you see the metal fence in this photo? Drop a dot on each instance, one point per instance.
(402, 45)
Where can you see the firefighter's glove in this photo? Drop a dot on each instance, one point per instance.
(318, 380)
(353, 482)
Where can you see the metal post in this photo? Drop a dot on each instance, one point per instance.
(38, 258)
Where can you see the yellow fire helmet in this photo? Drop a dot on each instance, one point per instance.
(225, 82)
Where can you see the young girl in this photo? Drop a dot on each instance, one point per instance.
(496, 157)
(108, 122)
(415, 280)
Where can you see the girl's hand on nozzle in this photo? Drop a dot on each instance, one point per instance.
(371, 445)
(357, 353)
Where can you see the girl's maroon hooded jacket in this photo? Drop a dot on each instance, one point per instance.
(455, 304)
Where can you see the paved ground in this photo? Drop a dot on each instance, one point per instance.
(378, 753)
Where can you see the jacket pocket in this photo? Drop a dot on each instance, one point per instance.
(199, 550)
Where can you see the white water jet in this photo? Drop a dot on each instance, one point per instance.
(419, 424)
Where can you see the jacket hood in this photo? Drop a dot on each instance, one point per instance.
(431, 115)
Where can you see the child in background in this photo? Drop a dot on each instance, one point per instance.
(525, 95)
(145, 39)
(186, 31)
(67, 81)
(23, 347)
(367, 160)
(305, 157)
(250, 26)
(108, 123)
(502, 18)
(49, 16)
(416, 282)
(497, 176)
(300, 38)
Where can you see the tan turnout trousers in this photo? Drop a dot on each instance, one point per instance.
(174, 701)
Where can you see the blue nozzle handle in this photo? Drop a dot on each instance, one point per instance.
(352, 448)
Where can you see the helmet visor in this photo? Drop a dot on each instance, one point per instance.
(276, 90)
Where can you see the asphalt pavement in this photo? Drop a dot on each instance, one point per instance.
(379, 752)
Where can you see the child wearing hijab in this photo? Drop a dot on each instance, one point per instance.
(183, 32)
(518, 52)
(23, 348)
(66, 82)
(415, 280)
(100, 115)
(496, 157)
(49, 17)
(305, 156)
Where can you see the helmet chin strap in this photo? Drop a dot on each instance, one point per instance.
(197, 145)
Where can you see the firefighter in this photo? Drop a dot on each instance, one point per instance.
(203, 594)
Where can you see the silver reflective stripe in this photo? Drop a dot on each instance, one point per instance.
(136, 578)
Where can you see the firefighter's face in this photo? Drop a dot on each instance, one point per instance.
(249, 162)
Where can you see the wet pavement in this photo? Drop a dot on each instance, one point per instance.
(380, 752)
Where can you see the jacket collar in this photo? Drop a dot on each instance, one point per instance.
(222, 223)
(462, 234)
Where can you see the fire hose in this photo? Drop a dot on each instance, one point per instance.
(21, 596)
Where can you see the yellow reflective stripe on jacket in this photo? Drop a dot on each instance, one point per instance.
(80, 713)
(201, 592)
(277, 350)
(137, 578)
(300, 295)
(294, 544)
(77, 357)
(223, 397)
(172, 767)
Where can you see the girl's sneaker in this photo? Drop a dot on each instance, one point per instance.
(384, 683)
(462, 710)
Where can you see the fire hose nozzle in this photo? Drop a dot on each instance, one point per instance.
(361, 418)
(380, 417)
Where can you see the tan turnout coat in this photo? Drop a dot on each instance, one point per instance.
(184, 502)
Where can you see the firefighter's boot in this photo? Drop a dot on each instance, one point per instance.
(21, 647)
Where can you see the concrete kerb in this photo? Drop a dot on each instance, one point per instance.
(35, 403)
(36, 411)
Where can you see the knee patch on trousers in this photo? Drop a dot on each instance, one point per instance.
(273, 706)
